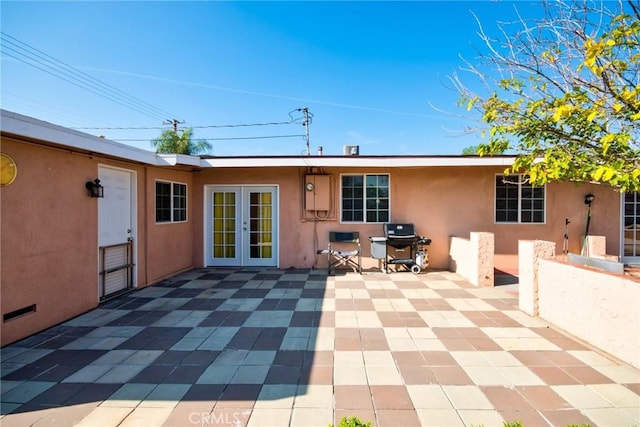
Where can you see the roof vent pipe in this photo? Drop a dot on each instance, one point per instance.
(351, 150)
(320, 150)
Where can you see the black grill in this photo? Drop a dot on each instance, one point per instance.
(400, 246)
(400, 235)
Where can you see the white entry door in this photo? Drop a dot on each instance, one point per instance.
(631, 228)
(241, 226)
(115, 231)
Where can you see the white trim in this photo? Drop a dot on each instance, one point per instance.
(134, 223)
(28, 127)
(626, 259)
(519, 221)
(19, 125)
(240, 210)
(180, 159)
(356, 161)
(364, 200)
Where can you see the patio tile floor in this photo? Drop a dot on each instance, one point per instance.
(267, 347)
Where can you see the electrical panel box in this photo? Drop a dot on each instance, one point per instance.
(317, 190)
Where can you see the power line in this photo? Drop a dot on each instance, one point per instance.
(244, 125)
(226, 139)
(33, 57)
(193, 127)
(121, 128)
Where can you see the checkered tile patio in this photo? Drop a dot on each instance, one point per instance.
(296, 347)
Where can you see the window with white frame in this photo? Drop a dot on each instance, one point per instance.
(171, 202)
(365, 198)
(517, 201)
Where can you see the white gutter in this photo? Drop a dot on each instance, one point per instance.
(179, 159)
(356, 161)
(29, 127)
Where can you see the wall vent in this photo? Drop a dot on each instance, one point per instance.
(351, 150)
(19, 313)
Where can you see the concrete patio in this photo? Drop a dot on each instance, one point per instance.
(254, 347)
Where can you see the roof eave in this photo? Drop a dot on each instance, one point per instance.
(356, 161)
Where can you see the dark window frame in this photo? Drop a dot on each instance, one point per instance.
(516, 201)
(171, 201)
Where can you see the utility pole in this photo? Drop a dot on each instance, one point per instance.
(306, 122)
(175, 123)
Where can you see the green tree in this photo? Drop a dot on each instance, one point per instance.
(564, 93)
(471, 150)
(171, 142)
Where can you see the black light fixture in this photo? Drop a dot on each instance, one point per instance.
(588, 199)
(95, 189)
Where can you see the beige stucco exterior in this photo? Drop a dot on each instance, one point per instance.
(49, 236)
(440, 201)
(598, 307)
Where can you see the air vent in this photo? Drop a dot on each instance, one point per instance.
(19, 313)
(351, 150)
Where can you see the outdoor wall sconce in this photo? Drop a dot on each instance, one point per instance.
(588, 199)
(95, 189)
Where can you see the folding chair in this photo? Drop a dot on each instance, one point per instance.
(337, 256)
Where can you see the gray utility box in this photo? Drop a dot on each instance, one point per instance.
(378, 247)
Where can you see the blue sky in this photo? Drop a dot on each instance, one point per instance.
(369, 72)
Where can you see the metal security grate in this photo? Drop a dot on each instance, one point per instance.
(116, 269)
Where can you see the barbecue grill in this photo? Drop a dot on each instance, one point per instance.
(399, 235)
(402, 247)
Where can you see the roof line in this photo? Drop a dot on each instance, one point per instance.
(28, 127)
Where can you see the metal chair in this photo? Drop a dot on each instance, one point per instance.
(337, 255)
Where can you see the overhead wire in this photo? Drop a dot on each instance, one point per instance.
(33, 57)
(192, 127)
(14, 102)
(29, 55)
(227, 138)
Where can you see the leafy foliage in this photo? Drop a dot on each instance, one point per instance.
(564, 94)
(470, 150)
(170, 142)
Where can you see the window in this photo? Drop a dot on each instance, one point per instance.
(171, 202)
(517, 201)
(365, 198)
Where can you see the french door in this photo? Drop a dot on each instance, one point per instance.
(241, 226)
(631, 228)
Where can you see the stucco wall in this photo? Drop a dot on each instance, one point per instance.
(168, 247)
(48, 239)
(49, 235)
(440, 201)
(49, 224)
(598, 307)
(473, 258)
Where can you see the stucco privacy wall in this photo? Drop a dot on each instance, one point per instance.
(473, 258)
(530, 252)
(440, 201)
(49, 235)
(598, 307)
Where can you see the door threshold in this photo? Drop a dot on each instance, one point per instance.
(116, 295)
